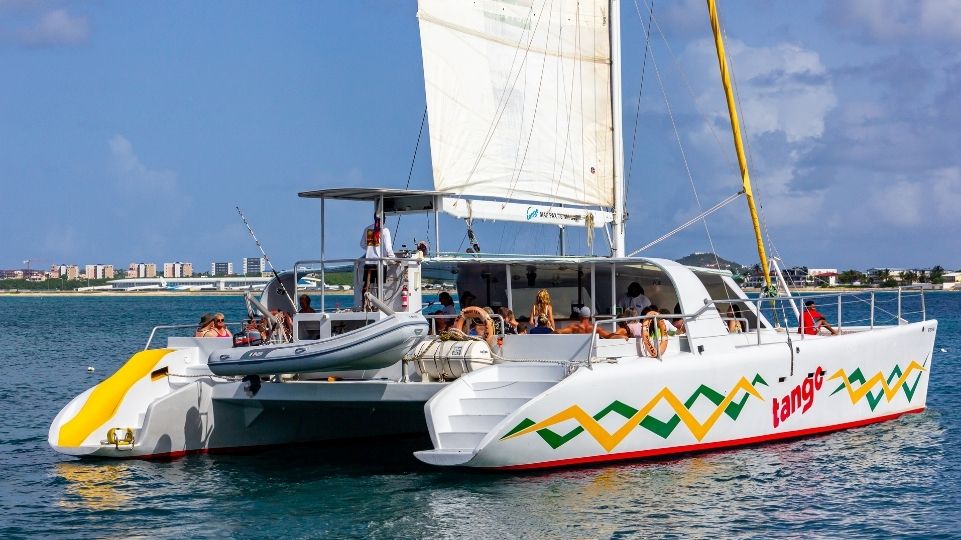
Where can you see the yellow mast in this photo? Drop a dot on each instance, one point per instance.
(738, 145)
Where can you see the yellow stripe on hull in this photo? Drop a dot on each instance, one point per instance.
(103, 402)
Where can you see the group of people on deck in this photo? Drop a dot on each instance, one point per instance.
(541, 319)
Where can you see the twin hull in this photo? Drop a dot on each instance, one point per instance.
(644, 407)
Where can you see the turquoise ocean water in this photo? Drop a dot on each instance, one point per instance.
(900, 478)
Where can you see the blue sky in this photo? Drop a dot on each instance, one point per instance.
(130, 130)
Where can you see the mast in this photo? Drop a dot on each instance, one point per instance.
(618, 139)
(738, 145)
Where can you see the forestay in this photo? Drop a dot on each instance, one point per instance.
(519, 99)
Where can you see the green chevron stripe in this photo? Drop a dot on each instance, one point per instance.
(659, 427)
(874, 399)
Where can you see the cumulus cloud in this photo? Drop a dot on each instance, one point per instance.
(33, 25)
(783, 88)
(135, 177)
(870, 20)
(144, 197)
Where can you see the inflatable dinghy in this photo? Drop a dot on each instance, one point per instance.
(377, 345)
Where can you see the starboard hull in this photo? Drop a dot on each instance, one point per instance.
(640, 408)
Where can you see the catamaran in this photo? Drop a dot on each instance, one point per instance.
(510, 144)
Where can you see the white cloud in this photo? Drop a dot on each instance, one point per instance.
(783, 88)
(133, 176)
(54, 27)
(893, 20)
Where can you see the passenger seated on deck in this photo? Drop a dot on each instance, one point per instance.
(542, 306)
(812, 321)
(447, 304)
(667, 321)
(543, 326)
(305, 304)
(653, 335)
(206, 324)
(732, 315)
(212, 325)
(510, 323)
(584, 325)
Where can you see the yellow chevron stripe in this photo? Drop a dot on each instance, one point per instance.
(889, 391)
(609, 441)
(106, 397)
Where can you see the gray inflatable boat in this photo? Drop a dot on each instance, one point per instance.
(374, 346)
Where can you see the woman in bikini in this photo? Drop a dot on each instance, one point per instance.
(542, 306)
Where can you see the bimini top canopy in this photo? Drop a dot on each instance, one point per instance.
(395, 200)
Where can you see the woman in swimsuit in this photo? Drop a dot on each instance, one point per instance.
(542, 306)
(214, 327)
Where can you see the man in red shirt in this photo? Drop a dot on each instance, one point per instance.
(812, 321)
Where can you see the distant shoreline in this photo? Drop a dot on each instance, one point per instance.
(115, 294)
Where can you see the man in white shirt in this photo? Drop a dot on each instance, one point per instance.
(634, 298)
(376, 243)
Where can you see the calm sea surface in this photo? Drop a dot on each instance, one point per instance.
(900, 478)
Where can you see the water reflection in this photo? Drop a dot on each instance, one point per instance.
(92, 486)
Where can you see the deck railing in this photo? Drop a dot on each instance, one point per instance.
(862, 309)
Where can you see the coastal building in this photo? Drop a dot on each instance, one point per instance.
(952, 281)
(98, 271)
(142, 270)
(253, 266)
(65, 271)
(221, 269)
(822, 276)
(178, 269)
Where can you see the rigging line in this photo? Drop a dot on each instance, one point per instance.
(690, 91)
(687, 168)
(530, 135)
(688, 223)
(413, 160)
(575, 62)
(640, 92)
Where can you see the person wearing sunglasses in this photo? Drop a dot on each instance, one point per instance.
(212, 325)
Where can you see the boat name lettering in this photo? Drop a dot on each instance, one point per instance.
(801, 397)
(534, 213)
(255, 354)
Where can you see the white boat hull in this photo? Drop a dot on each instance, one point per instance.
(642, 407)
(173, 406)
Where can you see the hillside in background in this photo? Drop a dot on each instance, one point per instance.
(707, 260)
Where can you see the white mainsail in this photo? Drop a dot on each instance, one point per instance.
(519, 99)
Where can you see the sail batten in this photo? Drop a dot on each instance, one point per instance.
(519, 99)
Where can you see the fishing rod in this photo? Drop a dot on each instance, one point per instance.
(266, 258)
